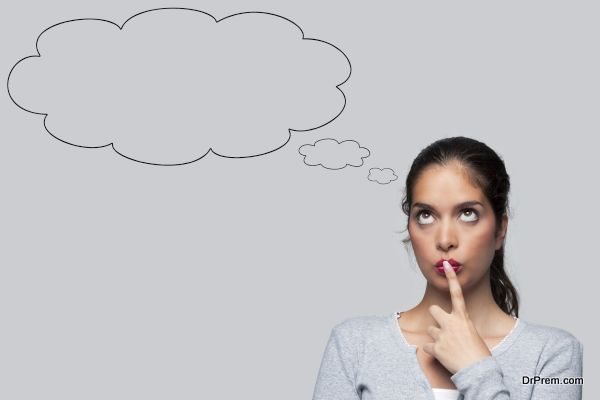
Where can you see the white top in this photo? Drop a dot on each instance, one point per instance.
(445, 394)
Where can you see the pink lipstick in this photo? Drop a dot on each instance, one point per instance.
(439, 266)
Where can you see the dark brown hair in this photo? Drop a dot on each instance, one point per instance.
(486, 170)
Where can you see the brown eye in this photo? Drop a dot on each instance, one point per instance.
(419, 214)
(471, 212)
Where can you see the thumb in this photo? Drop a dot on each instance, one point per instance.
(428, 348)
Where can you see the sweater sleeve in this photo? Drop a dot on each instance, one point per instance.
(482, 380)
(561, 357)
(336, 377)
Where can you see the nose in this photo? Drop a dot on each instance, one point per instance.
(446, 238)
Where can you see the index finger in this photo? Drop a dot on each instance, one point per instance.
(456, 295)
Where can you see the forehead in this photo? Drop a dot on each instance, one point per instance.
(445, 185)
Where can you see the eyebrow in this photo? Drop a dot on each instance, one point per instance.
(458, 206)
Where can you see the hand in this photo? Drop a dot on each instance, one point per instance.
(457, 344)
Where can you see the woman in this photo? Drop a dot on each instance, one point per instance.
(465, 339)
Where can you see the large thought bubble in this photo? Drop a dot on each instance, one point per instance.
(169, 85)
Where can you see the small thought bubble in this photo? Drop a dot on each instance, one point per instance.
(170, 85)
(382, 175)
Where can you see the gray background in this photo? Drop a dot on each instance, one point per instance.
(222, 278)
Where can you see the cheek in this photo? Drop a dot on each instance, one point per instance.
(416, 237)
(481, 240)
(421, 243)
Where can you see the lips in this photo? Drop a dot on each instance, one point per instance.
(456, 266)
(453, 262)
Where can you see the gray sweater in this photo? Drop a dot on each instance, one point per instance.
(368, 358)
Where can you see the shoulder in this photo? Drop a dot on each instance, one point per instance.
(360, 327)
(555, 343)
(551, 335)
(361, 323)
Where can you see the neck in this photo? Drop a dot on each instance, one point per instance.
(481, 307)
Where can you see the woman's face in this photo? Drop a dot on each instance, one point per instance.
(447, 230)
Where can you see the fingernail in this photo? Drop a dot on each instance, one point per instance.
(447, 265)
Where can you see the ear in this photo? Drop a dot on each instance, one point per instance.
(502, 234)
